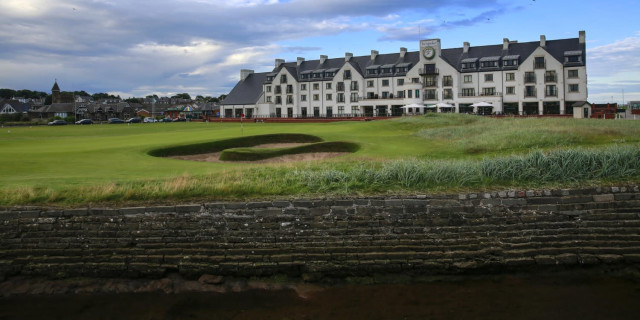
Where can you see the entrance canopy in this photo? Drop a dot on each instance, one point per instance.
(482, 104)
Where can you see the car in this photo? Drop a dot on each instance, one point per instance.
(166, 120)
(84, 121)
(134, 120)
(149, 120)
(57, 123)
(116, 120)
(179, 120)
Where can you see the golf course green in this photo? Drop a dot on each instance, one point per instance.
(115, 164)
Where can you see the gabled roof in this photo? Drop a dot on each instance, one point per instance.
(16, 105)
(247, 91)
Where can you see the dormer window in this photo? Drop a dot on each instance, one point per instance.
(510, 61)
(269, 78)
(469, 63)
(573, 56)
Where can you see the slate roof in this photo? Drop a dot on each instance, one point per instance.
(57, 107)
(247, 91)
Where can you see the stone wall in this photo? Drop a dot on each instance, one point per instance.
(423, 234)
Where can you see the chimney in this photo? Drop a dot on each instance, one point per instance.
(374, 54)
(348, 56)
(543, 41)
(466, 47)
(279, 62)
(505, 44)
(582, 37)
(323, 58)
(244, 73)
(403, 52)
(300, 61)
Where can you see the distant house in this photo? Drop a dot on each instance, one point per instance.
(13, 107)
(61, 110)
(634, 106)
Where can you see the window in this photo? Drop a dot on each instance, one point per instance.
(385, 94)
(371, 95)
(529, 77)
(303, 86)
(538, 63)
(289, 99)
(355, 109)
(369, 83)
(511, 90)
(415, 80)
(510, 76)
(268, 98)
(347, 74)
(329, 74)
(400, 82)
(551, 91)
(340, 97)
(468, 78)
(573, 59)
(447, 81)
(550, 76)
(385, 83)
(316, 86)
(430, 94)
(329, 97)
(354, 86)
(489, 64)
(510, 63)
(340, 109)
(447, 94)
(468, 92)
(278, 90)
(530, 91)
(488, 77)
(488, 91)
(283, 78)
(328, 86)
(572, 73)
(268, 88)
(278, 100)
(574, 88)
(400, 94)
(340, 86)
(354, 97)
(387, 70)
(303, 97)
(372, 71)
(409, 94)
(417, 93)
(289, 88)
(469, 65)
(431, 81)
(316, 97)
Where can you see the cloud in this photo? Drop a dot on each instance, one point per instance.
(613, 68)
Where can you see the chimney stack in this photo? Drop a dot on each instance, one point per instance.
(323, 58)
(279, 62)
(582, 37)
(403, 52)
(466, 47)
(300, 61)
(374, 54)
(505, 44)
(348, 56)
(543, 41)
(244, 73)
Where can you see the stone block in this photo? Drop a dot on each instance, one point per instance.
(603, 197)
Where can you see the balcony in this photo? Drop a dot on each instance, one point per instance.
(428, 71)
(529, 79)
(429, 83)
(539, 65)
(530, 93)
(447, 83)
(551, 78)
(481, 94)
(377, 97)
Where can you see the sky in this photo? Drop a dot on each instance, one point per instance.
(136, 48)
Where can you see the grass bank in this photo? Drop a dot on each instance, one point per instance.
(111, 164)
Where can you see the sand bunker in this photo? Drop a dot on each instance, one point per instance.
(215, 156)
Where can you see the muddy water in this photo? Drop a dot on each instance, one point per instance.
(504, 298)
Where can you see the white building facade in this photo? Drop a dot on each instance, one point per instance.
(529, 78)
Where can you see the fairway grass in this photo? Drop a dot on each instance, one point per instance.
(110, 165)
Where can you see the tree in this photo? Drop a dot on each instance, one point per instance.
(182, 96)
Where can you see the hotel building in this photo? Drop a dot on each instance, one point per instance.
(525, 78)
